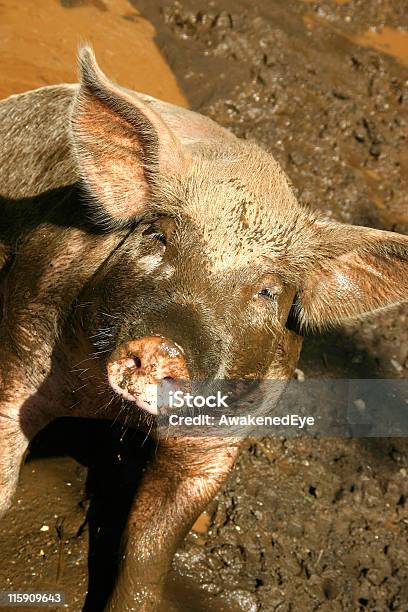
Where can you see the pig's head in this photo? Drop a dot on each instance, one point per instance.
(215, 252)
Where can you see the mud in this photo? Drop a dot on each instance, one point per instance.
(38, 43)
(391, 41)
(302, 524)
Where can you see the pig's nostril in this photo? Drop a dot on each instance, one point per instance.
(136, 361)
(137, 368)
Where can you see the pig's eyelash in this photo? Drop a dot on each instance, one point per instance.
(160, 237)
(153, 232)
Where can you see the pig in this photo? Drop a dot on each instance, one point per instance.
(142, 242)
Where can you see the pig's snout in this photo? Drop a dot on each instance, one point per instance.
(136, 369)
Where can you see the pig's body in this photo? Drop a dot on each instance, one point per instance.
(48, 253)
(175, 231)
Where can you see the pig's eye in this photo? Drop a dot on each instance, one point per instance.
(270, 293)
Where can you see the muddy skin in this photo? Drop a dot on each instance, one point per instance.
(335, 477)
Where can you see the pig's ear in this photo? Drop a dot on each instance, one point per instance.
(122, 146)
(358, 271)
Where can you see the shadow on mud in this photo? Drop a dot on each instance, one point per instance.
(115, 460)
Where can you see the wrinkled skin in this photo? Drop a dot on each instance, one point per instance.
(124, 220)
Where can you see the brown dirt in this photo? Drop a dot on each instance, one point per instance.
(302, 524)
(39, 40)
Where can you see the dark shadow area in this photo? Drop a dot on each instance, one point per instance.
(115, 459)
(337, 354)
(62, 207)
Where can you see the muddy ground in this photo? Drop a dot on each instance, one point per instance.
(302, 524)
